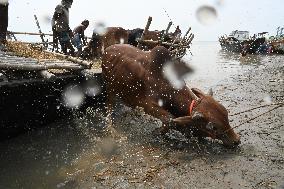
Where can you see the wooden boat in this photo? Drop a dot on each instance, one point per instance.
(241, 42)
(277, 41)
(32, 91)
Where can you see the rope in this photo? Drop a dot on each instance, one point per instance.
(251, 119)
(274, 104)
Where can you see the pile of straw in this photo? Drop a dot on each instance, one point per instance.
(27, 50)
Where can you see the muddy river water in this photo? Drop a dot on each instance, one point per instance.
(75, 152)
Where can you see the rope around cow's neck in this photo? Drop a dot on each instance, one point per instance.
(253, 118)
(273, 104)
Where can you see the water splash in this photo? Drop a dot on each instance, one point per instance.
(206, 15)
(108, 147)
(92, 88)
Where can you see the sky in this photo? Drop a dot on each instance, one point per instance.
(252, 15)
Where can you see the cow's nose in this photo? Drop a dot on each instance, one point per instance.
(237, 140)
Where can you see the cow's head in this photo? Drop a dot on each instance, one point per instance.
(209, 119)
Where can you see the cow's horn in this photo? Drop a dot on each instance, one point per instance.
(193, 95)
(210, 92)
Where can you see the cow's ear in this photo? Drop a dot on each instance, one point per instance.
(198, 92)
(210, 92)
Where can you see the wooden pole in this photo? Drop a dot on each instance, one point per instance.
(187, 32)
(168, 28)
(28, 33)
(84, 63)
(40, 32)
(145, 30)
(163, 43)
(166, 31)
(38, 67)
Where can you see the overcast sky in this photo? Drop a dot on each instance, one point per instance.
(253, 15)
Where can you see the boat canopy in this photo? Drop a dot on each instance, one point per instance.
(240, 35)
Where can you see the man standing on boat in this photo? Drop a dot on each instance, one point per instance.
(3, 23)
(177, 32)
(60, 27)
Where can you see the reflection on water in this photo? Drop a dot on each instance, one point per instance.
(51, 157)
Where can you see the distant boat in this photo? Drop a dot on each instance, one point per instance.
(277, 41)
(241, 42)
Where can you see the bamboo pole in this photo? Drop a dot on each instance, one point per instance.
(166, 31)
(187, 32)
(38, 67)
(31, 33)
(37, 43)
(84, 63)
(40, 32)
(145, 30)
(190, 39)
(163, 43)
(28, 33)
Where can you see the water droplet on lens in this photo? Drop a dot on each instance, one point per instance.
(206, 15)
(100, 28)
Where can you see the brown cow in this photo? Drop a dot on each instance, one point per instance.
(137, 78)
(113, 35)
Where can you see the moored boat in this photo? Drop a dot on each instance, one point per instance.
(241, 42)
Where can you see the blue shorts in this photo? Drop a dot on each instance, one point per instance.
(77, 41)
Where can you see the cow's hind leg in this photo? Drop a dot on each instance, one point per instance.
(110, 100)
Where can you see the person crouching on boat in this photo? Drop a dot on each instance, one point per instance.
(79, 39)
(60, 27)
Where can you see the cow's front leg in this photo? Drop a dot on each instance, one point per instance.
(153, 109)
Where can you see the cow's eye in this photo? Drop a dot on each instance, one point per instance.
(211, 126)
